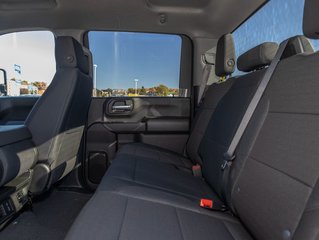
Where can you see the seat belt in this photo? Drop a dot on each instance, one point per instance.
(205, 76)
(229, 156)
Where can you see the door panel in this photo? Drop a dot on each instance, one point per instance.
(112, 122)
(14, 110)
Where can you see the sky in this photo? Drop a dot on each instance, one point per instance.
(275, 22)
(121, 57)
(154, 59)
(33, 51)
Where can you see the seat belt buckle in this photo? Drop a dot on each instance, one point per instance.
(211, 205)
(206, 203)
(228, 161)
(197, 170)
(225, 164)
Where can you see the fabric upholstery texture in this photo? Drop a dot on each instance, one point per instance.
(257, 57)
(57, 120)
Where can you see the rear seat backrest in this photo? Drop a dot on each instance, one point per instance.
(229, 112)
(224, 66)
(282, 168)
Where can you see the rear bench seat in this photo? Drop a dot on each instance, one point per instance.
(271, 181)
(220, 131)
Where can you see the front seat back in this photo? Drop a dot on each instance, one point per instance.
(57, 120)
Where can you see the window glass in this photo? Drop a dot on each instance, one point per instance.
(28, 62)
(135, 64)
(274, 22)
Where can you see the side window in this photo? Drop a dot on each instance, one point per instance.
(136, 64)
(27, 63)
(275, 22)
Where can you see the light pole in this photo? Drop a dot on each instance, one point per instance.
(94, 80)
(135, 80)
(94, 75)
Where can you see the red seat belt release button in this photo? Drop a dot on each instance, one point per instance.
(206, 203)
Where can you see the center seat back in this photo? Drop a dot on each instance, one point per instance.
(230, 110)
(224, 67)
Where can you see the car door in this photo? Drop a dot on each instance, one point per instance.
(138, 108)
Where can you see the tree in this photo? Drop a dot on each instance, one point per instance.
(40, 85)
(142, 91)
(24, 91)
(162, 90)
(131, 90)
(109, 90)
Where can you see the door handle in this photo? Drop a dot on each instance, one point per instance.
(124, 108)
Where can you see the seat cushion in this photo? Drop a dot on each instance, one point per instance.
(133, 171)
(153, 153)
(110, 215)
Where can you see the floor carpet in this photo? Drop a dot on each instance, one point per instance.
(49, 219)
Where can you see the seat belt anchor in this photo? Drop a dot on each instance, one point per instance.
(228, 161)
(197, 170)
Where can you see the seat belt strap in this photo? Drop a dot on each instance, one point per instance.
(205, 76)
(229, 155)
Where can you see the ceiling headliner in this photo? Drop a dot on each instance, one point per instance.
(195, 18)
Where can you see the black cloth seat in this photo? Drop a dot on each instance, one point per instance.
(110, 215)
(157, 154)
(269, 186)
(222, 125)
(57, 120)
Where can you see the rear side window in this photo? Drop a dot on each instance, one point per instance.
(274, 22)
(135, 64)
(27, 63)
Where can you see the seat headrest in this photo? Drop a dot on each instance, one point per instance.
(311, 19)
(296, 45)
(69, 54)
(225, 56)
(257, 57)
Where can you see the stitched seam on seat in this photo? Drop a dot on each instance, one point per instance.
(284, 173)
(227, 229)
(179, 223)
(315, 208)
(193, 210)
(135, 163)
(60, 117)
(294, 113)
(123, 218)
(158, 188)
